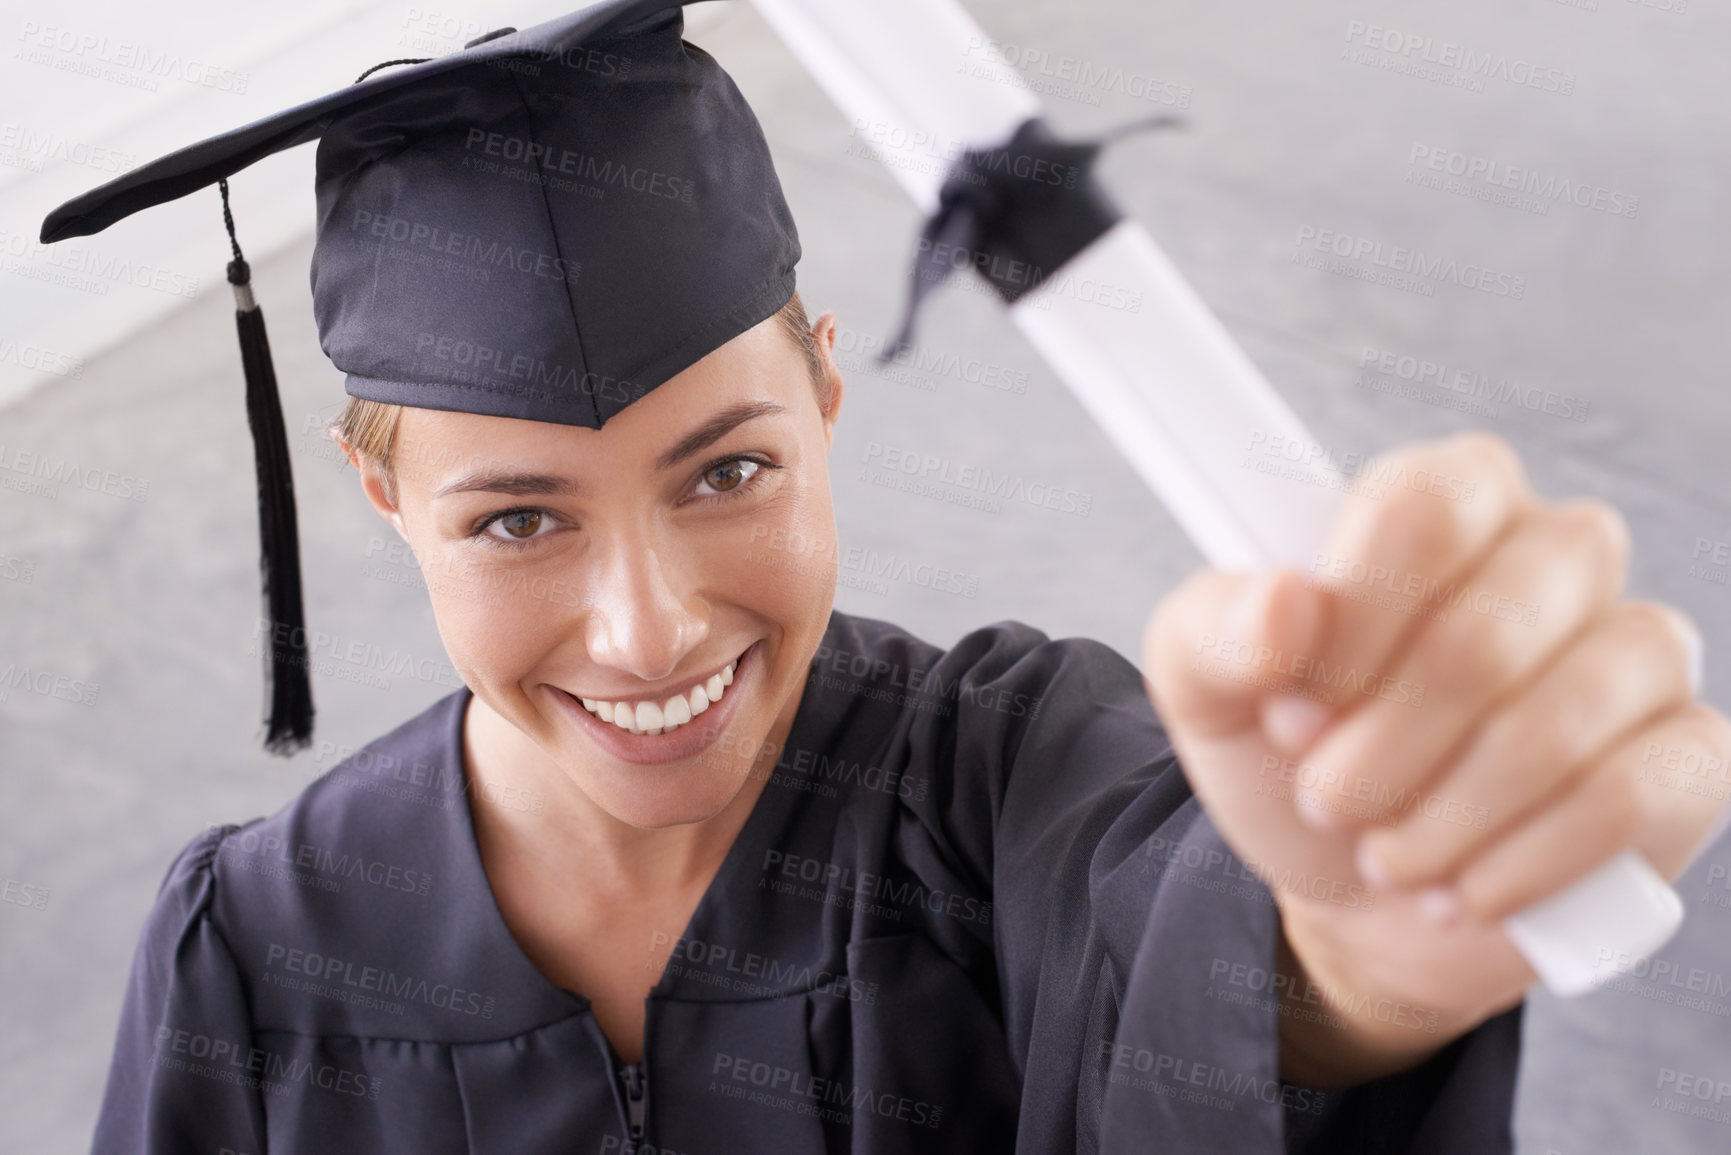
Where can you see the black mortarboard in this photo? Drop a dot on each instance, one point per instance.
(545, 225)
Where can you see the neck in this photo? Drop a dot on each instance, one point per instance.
(525, 804)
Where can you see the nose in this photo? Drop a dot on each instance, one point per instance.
(640, 622)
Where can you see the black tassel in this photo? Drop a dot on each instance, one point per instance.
(1016, 230)
(287, 688)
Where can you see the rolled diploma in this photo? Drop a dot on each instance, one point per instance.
(1167, 384)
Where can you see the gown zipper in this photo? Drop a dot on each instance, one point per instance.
(635, 1084)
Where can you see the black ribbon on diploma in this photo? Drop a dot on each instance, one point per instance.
(1015, 213)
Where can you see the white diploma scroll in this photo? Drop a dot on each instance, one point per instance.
(1166, 383)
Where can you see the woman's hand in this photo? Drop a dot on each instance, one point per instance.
(1454, 709)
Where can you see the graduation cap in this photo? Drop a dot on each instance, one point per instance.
(546, 225)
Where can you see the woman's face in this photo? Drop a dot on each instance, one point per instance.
(634, 565)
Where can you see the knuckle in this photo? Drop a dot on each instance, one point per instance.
(1414, 524)
(1545, 730)
(1465, 657)
(1618, 807)
(1653, 628)
(1596, 525)
(1488, 453)
(1707, 729)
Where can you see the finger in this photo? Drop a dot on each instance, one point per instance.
(1635, 662)
(1569, 560)
(1389, 555)
(1683, 776)
(1207, 648)
(1594, 817)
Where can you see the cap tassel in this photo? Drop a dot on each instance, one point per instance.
(287, 688)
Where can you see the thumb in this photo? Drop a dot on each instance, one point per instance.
(1218, 652)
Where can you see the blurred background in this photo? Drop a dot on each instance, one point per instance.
(1596, 190)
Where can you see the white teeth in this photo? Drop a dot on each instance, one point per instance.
(667, 716)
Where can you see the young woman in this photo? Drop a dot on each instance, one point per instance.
(794, 880)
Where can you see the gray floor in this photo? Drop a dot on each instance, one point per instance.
(1293, 128)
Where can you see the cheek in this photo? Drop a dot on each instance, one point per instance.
(497, 621)
(782, 562)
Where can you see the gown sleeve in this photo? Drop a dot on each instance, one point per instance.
(1134, 949)
(185, 1073)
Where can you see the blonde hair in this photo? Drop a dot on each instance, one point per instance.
(369, 428)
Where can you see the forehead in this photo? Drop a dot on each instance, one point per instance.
(760, 364)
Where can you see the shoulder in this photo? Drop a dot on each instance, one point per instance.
(1007, 667)
(390, 790)
(373, 827)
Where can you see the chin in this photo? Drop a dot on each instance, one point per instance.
(694, 795)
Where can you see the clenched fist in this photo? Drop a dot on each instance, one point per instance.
(1455, 710)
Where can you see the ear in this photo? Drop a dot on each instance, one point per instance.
(823, 332)
(373, 484)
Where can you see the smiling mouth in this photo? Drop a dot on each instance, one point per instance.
(664, 715)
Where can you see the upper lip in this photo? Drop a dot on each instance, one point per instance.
(661, 694)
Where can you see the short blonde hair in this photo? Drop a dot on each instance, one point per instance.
(369, 428)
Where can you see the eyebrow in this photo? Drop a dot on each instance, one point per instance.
(715, 429)
(553, 485)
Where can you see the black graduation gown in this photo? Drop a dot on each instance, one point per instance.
(976, 909)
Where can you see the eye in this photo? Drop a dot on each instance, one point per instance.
(728, 476)
(516, 526)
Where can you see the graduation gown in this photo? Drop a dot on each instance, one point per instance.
(976, 909)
